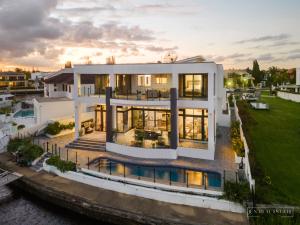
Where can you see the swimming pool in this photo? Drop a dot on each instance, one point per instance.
(177, 176)
(24, 113)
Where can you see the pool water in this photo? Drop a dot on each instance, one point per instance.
(163, 174)
(24, 113)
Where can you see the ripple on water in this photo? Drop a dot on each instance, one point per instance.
(27, 210)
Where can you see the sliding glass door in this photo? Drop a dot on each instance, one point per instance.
(193, 124)
(193, 85)
(100, 118)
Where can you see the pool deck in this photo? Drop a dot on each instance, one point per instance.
(224, 155)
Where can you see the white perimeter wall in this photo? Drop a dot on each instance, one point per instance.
(45, 111)
(150, 193)
(289, 96)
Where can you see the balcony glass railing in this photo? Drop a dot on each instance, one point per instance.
(143, 138)
(147, 95)
(91, 91)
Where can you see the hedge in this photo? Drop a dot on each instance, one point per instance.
(237, 191)
(62, 165)
(237, 143)
(56, 127)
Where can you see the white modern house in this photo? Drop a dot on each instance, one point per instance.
(158, 111)
(57, 102)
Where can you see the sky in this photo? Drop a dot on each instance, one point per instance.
(44, 34)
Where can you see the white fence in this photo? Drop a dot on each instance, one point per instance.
(246, 158)
(289, 96)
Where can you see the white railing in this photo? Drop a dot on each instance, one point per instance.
(27, 132)
(246, 158)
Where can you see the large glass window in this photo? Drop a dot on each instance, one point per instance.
(124, 84)
(100, 118)
(101, 82)
(193, 85)
(193, 124)
(142, 118)
(124, 119)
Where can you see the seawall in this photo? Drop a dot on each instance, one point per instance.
(112, 207)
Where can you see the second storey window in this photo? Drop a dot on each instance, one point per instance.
(193, 85)
(144, 80)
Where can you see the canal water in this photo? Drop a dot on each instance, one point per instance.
(24, 209)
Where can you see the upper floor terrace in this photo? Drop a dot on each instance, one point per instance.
(150, 82)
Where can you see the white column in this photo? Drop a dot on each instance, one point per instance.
(114, 117)
(77, 86)
(77, 110)
(174, 80)
(211, 114)
(112, 81)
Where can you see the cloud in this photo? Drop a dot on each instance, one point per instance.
(159, 48)
(221, 58)
(265, 57)
(27, 27)
(294, 56)
(279, 37)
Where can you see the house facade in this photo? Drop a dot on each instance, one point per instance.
(57, 102)
(158, 111)
(12, 79)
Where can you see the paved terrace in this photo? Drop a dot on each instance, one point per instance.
(114, 207)
(224, 155)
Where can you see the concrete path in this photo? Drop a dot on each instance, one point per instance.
(133, 208)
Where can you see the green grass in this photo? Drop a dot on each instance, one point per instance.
(274, 139)
(265, 92)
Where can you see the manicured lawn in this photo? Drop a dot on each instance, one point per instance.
(275, 140)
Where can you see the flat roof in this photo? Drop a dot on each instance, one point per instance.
(124, 64)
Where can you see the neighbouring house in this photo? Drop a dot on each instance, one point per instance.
(246, 78)
(12, 79)
(37, 79)
(6, 100)
(159, 110)
(57, 102)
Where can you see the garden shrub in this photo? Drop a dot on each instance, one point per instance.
(30, 152)
(237, 143)
(62, 165)
(230, 100)
(25, 150)
(14, 144)
(5, 110)
(21, 126)
(56, 127)
(237, 191)
(53, 128)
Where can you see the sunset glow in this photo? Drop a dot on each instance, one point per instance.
(45, 34)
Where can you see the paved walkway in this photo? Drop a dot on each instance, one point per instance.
(132, 205)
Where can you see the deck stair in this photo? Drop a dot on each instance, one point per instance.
(87, 144)
(8, 177)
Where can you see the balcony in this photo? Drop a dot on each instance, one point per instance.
(147, 95)
(90, 90)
